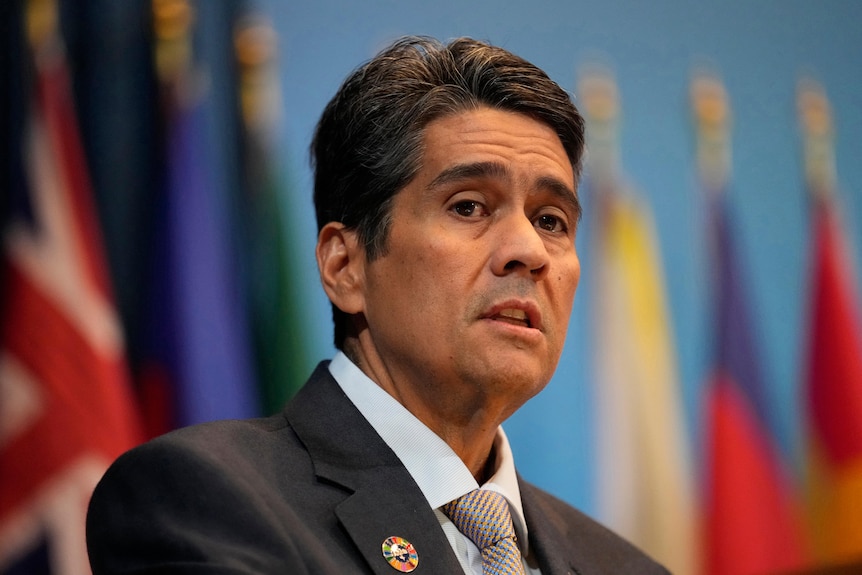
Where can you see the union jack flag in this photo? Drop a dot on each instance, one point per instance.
(66, 409)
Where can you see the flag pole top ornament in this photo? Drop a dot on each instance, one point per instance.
(185, 82)
(173, 21)
(41, 21)
(599, 101)
(255, 44)
(815, 121)
(712, 117)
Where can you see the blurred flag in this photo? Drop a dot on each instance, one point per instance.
(275, 300)
(752, 521)
(196, 357)
(752, 524)
(644, 474)
(65, 404)
(834, 363)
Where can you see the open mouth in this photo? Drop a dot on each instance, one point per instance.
(513, 316)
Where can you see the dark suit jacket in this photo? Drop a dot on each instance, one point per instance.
(311, 491)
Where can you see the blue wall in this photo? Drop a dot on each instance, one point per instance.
(759, 48)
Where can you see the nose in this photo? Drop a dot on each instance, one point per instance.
(519, 249)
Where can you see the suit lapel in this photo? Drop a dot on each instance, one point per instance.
(548, 538)
(379, 510)
(383, 499)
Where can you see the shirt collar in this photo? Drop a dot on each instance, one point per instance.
(434, 466)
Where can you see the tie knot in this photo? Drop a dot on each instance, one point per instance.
(483, 516)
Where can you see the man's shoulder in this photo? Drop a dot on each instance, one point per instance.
(233, 492)
(224, 436)
(213, 451)
(555, 524)
(225, 432)
(228, 439)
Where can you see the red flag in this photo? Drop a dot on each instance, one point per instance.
(834, 396)
(752, 523)
(65, 406)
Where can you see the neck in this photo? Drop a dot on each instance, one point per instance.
(468, 424)
(476, 450)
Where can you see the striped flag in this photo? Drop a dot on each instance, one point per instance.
(752, 524)
(752, 521)
(66, 409)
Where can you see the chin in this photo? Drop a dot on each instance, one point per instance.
(523, 383)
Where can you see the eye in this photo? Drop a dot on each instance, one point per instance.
(550, 223)
(469, 209)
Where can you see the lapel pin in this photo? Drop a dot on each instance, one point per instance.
(400, 554)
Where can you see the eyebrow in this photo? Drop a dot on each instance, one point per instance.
(461, 172)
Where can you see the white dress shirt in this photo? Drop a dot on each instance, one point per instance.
(434, 466)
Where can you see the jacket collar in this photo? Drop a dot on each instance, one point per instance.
(381, 500)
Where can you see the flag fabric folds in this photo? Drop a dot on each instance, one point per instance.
(196, 359)
(646, 488)
(275, 301)
(644, 476)
(66, 409)
(834, 394)
(196, 365)
(752, 521)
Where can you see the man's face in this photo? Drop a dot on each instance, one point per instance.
(470, 304)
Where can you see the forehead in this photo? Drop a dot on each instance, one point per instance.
(513, 141)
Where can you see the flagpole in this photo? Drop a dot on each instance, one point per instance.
(712, 118)
(599, 100)
(172, 21)
(819, 153)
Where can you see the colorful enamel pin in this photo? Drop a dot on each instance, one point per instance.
(400, 554)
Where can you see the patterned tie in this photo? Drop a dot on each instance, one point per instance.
(484, 517)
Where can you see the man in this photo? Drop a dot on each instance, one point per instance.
(447, 208)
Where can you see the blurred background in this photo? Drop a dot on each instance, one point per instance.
(158, 268)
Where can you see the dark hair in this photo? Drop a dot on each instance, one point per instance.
(368, 142)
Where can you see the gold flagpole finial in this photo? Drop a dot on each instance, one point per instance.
(599, 100)
(42, 24)
(255, 46)
(711, 111)
(815, 120)
(172, 20)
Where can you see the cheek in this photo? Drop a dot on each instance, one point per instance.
(565, 286)
(412, 283)
(572, 277)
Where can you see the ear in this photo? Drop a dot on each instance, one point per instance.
(341, 263)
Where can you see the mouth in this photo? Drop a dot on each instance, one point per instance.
(513, 316)
(519, 314)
